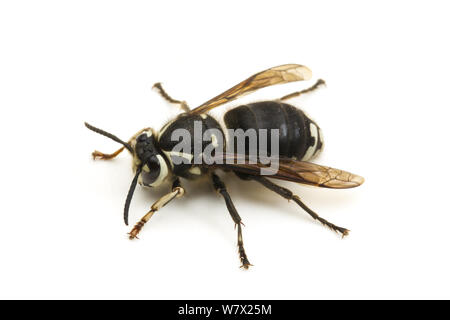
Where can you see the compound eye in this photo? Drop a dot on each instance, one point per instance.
(154, 165)
(151, 170)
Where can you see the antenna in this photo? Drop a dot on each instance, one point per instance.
(109, 135)
(130, 194)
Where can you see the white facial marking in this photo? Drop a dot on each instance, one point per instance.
(163, 173)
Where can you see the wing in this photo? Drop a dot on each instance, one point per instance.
(291, 170)
(276, 75)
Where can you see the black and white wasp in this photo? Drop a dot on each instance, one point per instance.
(155, 159)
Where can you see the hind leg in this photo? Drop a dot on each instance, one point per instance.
(299, 93)
(183, 105)
(287, 194)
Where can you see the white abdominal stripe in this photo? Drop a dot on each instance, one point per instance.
(313, 149)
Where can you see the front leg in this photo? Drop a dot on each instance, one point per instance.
(220, 188)
(106, 156)
(177, 191)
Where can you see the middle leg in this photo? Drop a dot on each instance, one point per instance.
(220, 188)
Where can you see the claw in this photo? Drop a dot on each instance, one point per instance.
(132, 237)
(99, 155)
(344, 232)
(245, 265)
(96, 154)
(235, 225)
(133, 234)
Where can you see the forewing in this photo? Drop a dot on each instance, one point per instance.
(317, 175)
(276, 75)
(293, 170)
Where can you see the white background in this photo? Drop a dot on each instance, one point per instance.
(384, 115)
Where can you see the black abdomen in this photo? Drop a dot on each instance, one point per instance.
(299, 136)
